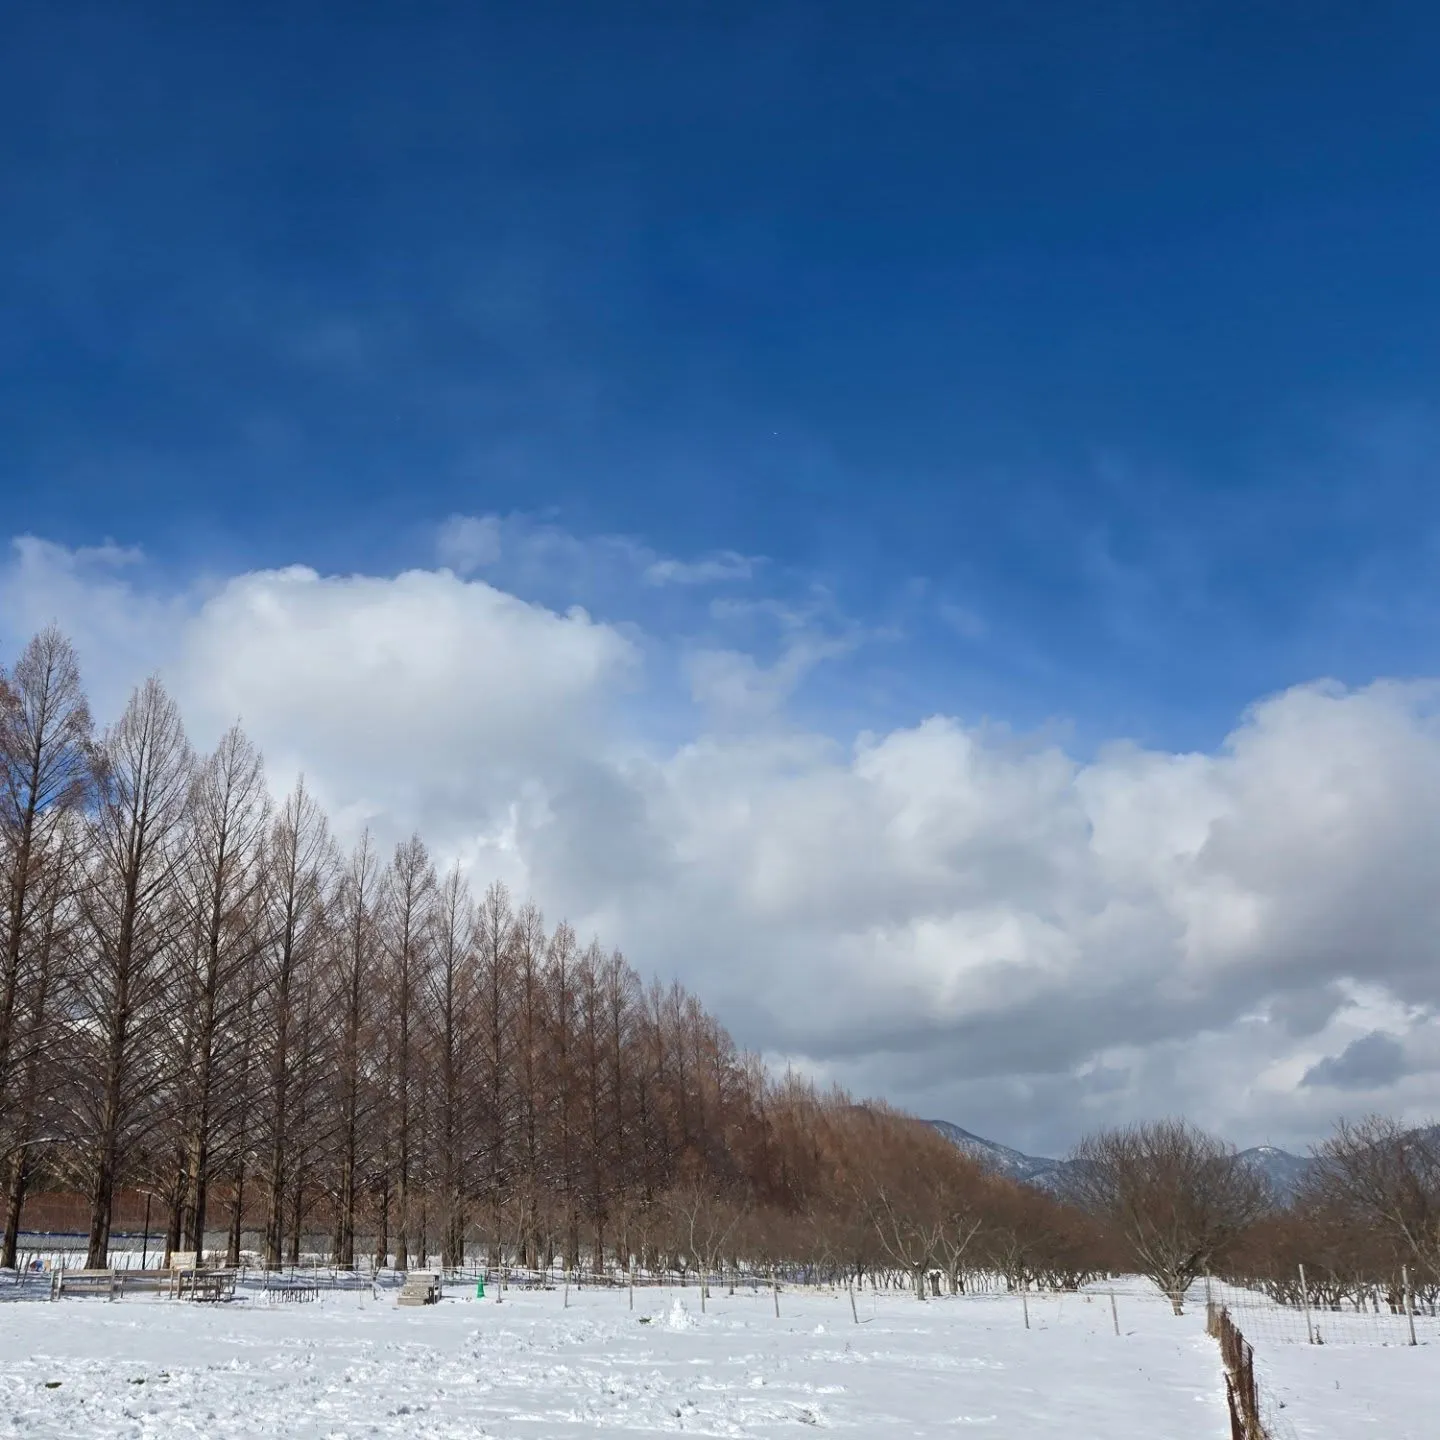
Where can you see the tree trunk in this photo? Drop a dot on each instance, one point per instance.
(19, 1182)
(102, 1192)
(232, 1254)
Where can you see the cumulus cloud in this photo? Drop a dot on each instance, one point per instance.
(415, 699)
(973, 922)
(419, 694)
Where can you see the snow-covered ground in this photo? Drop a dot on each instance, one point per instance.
(352, 1366)
(1350, 1392)
(1364, 1379)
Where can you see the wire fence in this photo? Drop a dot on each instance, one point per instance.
(1390, 1315)
(1393, 1315)
(48, 1262)
(1242, 1395)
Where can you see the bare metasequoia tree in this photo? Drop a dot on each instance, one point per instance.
(46, 769)
(354, 960)
(299, 871)
(527, 1181)
(34, 1120)
(619, 999)
(452, 1010)
(562, 1130)
(1174, 1196)
(45, 772)
(495, 1105)
(406, 954)
(220, 880)
(598, 1140)
(123, 989)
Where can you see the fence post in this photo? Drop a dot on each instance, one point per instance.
(1237, 1425)
(854, 1313)
(1025, 1306)
(1305, 1300)
(1241, 1389)
(1252, 1395)
(1409, 1306)
(1115, 1312)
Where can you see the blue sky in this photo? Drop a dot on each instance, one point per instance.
(1113, 329)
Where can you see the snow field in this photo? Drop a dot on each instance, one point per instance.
(1349, 1392)
(351, 1367)
(1365, 1379)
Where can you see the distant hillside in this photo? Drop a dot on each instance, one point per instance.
(1283, 1170)
(999, 1159)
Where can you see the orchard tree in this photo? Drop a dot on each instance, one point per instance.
(1385, 1178)
(1176, 1198)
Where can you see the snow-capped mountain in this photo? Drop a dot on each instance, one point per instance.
(999, 1159)
(1283, 1170)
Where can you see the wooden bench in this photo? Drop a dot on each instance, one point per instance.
(84, 1282)
(421, 1287)
(127, 1281)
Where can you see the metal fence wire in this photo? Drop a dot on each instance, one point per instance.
(1373, 1315)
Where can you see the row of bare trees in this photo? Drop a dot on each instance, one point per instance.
(1366, 1215)
(1361, 1229)
(203, 996)
(880, 1197)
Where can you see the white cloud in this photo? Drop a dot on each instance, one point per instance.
(734, 687)
(713, 570)
(467, 543)
(974, 923)
(527, 549)
(418, 699)
(96, 595)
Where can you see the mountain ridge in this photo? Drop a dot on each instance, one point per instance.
(1284, 1171)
